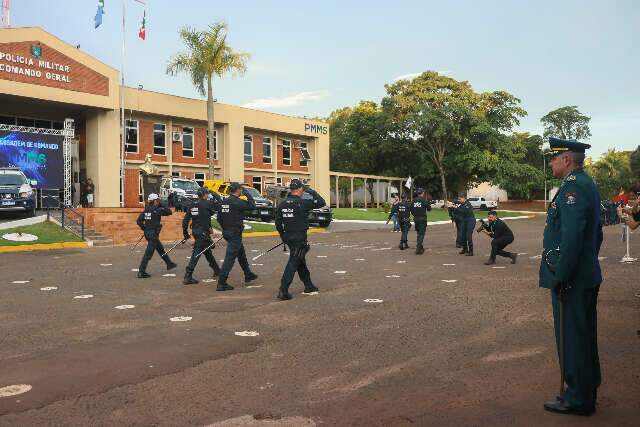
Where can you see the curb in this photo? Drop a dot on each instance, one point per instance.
(275, 233)
(43, 246)
(362, 221)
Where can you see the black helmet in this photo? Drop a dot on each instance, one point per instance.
(202, 191)
(233, 187)
(295, 184)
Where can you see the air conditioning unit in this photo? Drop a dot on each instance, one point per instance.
(176, 136)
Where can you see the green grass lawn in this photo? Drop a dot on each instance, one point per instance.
(255, 226)
(47, 232)
(377, 214)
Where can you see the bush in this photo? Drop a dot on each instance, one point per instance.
(386, 206)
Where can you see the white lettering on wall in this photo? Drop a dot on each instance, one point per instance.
(25, 66)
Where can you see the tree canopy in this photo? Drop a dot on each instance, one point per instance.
(566, 123)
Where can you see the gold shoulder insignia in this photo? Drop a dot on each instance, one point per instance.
(571, 178)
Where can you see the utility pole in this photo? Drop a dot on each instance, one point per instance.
(6, 13)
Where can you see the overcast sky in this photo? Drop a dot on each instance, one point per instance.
(311, 59)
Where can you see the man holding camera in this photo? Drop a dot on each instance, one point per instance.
(501, 236)
(570, 269)
(231, 219)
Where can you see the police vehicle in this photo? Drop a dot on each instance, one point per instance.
(264, 211)
(482, 203)
(177, 192)
(16, 192)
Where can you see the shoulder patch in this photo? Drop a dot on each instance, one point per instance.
(571, 178)
(571, 198)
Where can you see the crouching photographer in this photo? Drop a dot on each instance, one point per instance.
(501, 236)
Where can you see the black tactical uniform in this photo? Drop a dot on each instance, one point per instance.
(457, 220)
(467, 224)
(292, 222)
(199, 214)
(501, 236)
(403, 209)
(419, 210)
(231, 219)
(149, 223)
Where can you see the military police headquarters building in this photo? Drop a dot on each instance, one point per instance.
(44, 80)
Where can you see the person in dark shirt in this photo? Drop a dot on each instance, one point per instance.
(292, 223)
(467, 224)
(199, 214)
(149, 223)
(501, 236)
(419, 209)
(403, 211)
(231, 219)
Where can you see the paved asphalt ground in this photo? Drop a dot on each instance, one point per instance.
(478, 351)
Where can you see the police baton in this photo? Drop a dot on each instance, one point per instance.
(173, 247)
(208, 247)
(138, 242)
(266, 252)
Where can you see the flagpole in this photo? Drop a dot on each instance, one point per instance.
(122, 123)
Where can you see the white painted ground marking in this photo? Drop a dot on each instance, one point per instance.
(257, 264)
(448, 265)
(188, 257)
(536, 257)
(402, 262)
(135, 269)
(48, 288)
(247, 333)
(87, 296)
(521, 253)
(602, 258)
(208, 280)
(449, 280)
(339, 272)
(16, 237)
(359, 259)
(105, 265)
(254, 250)
(498, 267)
(181, 319)
(14, 390)
(124, 307)
(254, 286)
(368, 247)
(310, 293)
(381, 249)
(392, 275)
(373, 300)
(321, 256)
(138, 252)
(169, 275)
(350, 246)
(20, 282)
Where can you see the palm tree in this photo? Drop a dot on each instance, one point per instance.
(207, 55)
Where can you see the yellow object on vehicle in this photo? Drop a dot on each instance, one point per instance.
(221, 187)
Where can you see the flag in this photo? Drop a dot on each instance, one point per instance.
(99, 13)
(143, 30)
(409, 182)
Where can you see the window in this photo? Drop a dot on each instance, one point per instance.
(199, 177)
(257, 183)
(304, 154)
(43, 124)
(175, 174)
(279, 180)
(159, 140)
(187, 142)
(57, 125)
(266, 150)
(6, 120)
(140, 198)
(248, 148)
(286, 152)
(22, 121)
(215, 144)
(131, 132)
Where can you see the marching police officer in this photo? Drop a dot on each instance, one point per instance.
(231, 219)
(199, 214)
(419, 210)
(570, 269)
(467, 224)
(292, 222)
(149, 223)
(501, 236)
(403, 210)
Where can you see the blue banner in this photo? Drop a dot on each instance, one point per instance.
(40, 157)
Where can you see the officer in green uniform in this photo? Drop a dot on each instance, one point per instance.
(570, 269)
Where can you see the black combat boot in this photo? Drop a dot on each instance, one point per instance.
(514, 257)
(470, 251)
(171, 265)
(490, 261)
(143, 275)
(188, 279)
(309, 289)
(250, 278)
(463, 251)
(419, 250)
(284, 295)
(223, 285)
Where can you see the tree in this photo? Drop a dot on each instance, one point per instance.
(566, 123)
(207, 55)
(612, 173)
(444, 118)
(635, 163)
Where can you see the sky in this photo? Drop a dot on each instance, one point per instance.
(310, 59)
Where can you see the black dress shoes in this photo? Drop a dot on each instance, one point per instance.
(562, 407)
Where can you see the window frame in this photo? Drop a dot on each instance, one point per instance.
(248, 138)
(164, 139)
(284, 159)
(192, 149)
(270, 145)
(140, 198)
(304, 146)
(127, 128)
(204, 178)
(175, 174)
(253, 183)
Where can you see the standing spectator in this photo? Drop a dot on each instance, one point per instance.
(394, 217)
(83, 193)
(90, 189)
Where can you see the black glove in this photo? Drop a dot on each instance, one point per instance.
(186, 235)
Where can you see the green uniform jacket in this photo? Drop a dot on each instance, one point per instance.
(573, 234)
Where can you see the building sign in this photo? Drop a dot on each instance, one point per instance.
(39, 156)
(313, 128)
(36, 63)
